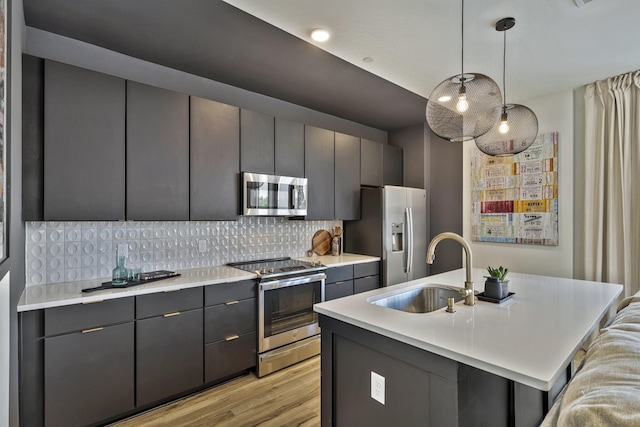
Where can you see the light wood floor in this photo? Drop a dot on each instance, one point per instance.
(290, 397)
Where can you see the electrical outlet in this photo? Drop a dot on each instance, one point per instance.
(122, 250)
(202, 245)
(377, 387)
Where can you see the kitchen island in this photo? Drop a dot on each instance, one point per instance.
(488, 364)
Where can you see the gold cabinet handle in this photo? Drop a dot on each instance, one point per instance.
(86, 331)
(172, 290)
(92, 302)
(231, 302)
(231, 338)
(175, 313)
(338, 283)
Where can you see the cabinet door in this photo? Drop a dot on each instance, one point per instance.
(371, 163)
(289, 148)
(319, 170)
(169, 355)
(215, 160)
(393, 165)
(347, 177)
(157, 153)
(84, 145)
(256, 142)
(89, 376)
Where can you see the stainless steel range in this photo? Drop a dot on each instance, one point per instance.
(288, 330)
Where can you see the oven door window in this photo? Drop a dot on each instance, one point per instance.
(290, 308)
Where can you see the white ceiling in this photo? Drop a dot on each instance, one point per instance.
(416, 43)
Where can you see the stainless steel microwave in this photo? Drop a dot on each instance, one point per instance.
(270, 195)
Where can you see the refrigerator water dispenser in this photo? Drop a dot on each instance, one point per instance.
(397, 237)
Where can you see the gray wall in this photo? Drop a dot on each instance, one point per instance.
(435, 165)
(16, 231)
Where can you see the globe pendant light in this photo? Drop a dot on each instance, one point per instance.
(518, 125)
(464, 106)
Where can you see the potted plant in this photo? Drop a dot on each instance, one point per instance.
(496, 285)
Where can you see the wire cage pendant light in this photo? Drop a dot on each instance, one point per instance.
(465, 106)
(517, 128)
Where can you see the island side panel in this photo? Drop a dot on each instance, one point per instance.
(420, 387)
(435, 390)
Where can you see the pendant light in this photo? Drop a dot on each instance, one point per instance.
(518, 125)
(464, 106)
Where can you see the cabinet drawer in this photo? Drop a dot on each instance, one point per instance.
(227, 320)
(226, 292)
(366, 269)
(336, 274)
(364, 284)
(168, 302)
(338, 290)
(226, 358)
(58, 320)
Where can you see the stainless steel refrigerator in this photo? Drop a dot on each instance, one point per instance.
(393, 227)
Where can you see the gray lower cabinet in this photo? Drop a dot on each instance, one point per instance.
(347, 177)
(370, 163)
(84, 144)
(215, 160)
(393, 170)
(351, 279)
(157, 154)
(229, 330)
(256, 142)
(289, 148)
(88, 361)
(169, 356)
(319, 170)
(89, 375)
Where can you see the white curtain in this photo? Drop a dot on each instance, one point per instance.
(612, 181)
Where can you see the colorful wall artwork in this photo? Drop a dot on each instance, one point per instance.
(515, 198)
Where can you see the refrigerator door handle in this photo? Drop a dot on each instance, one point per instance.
(410, 241)
(407, 240)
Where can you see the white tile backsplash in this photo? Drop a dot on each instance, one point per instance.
(69, 251)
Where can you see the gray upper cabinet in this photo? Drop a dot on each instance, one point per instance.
(393, 165)
(215, 160)
(347, 177)
(319, 170)
(256, 142)
(289, 158)
(370, 163)
(84, 144)
(157, 154)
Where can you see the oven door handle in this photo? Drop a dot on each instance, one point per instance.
(294, 281)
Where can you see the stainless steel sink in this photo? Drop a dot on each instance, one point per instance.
(424, 299)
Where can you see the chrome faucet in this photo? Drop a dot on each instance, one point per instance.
(467, 292)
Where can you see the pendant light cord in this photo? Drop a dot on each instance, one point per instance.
(462, 43)
(504, 70)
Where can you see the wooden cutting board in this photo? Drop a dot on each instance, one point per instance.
(321, 242)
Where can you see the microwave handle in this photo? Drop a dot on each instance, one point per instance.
(294, 196)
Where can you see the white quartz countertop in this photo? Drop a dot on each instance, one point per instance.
(529, 339)
(340, 260)
(59, 294)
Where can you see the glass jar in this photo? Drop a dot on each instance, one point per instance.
(119, 275)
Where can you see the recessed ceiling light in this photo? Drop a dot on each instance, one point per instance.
(320, 35)
(367, 59)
